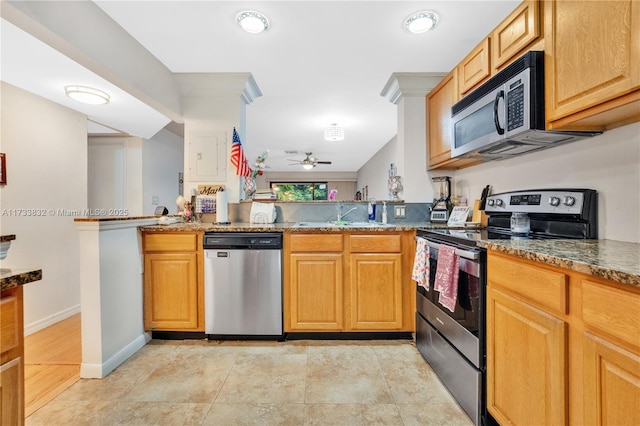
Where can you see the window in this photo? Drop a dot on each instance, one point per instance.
(300, 191)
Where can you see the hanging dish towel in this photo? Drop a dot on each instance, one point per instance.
(447, 274)
(420, 272)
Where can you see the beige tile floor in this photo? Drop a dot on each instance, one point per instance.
(261, 383)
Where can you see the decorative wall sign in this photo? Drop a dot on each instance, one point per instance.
(3, 169)
(209, 189)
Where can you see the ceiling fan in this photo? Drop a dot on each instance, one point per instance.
(309, 162)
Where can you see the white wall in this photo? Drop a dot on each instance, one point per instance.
(162, 160)
(46, 147)
(375, 172)
(609, 163)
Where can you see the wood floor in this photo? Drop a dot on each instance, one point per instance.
(52, 362)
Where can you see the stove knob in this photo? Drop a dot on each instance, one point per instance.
(499, 202)
(569, 201)
(554, 201)
(490, 201)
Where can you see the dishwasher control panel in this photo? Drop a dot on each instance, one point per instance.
(242, 240)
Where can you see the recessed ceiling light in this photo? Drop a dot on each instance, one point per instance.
(334, 133)
(87, 95)
(420, 22)
(252, 21)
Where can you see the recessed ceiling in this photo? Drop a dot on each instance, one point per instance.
(326, 68)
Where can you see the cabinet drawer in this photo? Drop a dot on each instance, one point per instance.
(170, 242)
(613, 311)
(10, 337)
(316, 242)
(542, 286)
(375, 243)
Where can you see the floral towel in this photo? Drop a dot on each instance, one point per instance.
(447, 274)
(421, 264)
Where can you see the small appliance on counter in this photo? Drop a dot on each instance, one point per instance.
(441, 205)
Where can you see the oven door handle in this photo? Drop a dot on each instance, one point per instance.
(471, 255)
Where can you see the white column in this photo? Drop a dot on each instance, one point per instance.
(408, 92)
(111, 293)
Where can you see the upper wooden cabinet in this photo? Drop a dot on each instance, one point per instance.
(475, 68)
(592, 63)
(515, 33)
(439, 102)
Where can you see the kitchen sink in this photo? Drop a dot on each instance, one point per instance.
(315, 225)
(340, 225)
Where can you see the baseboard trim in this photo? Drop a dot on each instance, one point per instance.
(100, 371)
(43, 323)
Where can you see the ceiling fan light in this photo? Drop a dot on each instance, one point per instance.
(307, 166)
(420, 22)
(334, 133)
(87, 95)
(252, 22)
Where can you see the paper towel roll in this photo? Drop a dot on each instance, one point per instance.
(222, 207)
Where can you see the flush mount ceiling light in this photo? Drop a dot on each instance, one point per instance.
(420, 22)
(334, 133)
(87, 95)
(252, 22)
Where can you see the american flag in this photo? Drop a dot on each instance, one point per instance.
(238, 158)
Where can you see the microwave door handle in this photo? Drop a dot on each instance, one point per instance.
(496, 119)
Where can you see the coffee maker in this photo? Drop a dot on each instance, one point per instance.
(442, 205)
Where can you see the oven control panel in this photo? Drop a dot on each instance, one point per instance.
(537, 201)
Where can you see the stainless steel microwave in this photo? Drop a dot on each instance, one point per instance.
(504, 117)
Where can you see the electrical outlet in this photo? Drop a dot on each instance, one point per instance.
(399, 212)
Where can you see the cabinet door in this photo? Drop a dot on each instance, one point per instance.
(526, 363)
(315, 292)
(515, 33)
(439, 103)
(593, 54)
(375, 292)
(171, 291)
(12, 392)
(475, 68)
(611, 384)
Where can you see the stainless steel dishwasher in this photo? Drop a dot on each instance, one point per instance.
(243, 285)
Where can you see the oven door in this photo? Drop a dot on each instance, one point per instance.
(463, 327)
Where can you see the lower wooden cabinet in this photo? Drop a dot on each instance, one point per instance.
(563, 347)
(316, 291)
(527, 355)
(375, 291)
(611, 383)
(12, 357)
(173, 282)
(348, 282)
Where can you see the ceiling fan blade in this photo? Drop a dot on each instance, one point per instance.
(323, 162)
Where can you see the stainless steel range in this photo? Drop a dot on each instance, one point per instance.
(453, 340)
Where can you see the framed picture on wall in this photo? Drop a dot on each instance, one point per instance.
(3, 169)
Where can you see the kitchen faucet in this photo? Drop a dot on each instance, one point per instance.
(340, 214)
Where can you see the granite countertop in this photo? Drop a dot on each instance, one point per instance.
(613, 260)
(286, 226)
(10, 278)
(609, 259)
